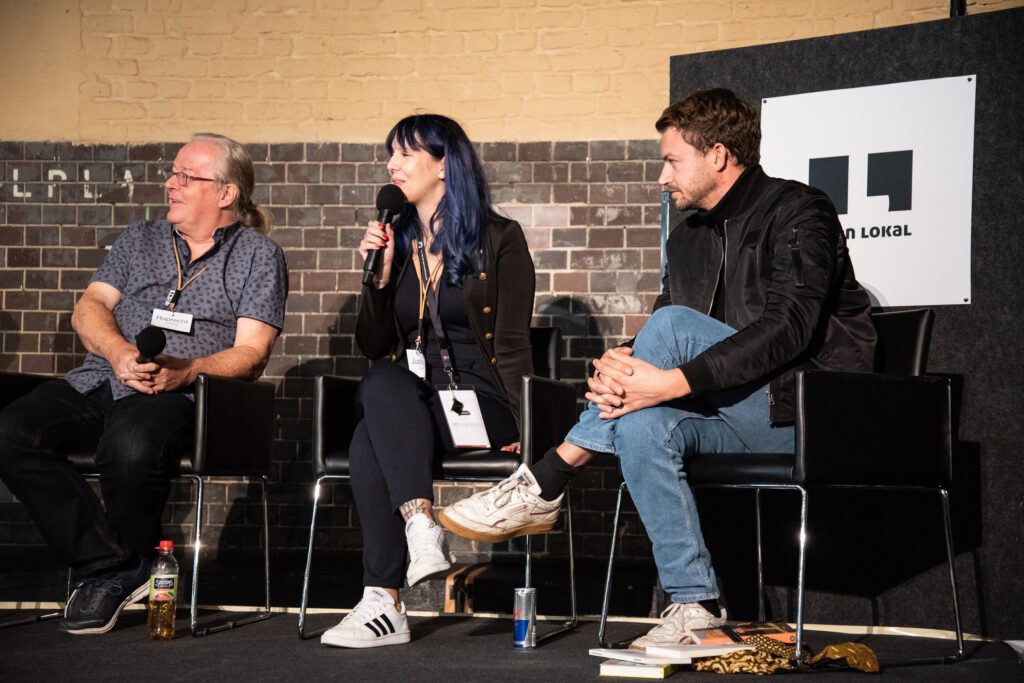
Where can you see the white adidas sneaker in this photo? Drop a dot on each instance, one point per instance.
(511, 508)
(429, 555)
(375, 621)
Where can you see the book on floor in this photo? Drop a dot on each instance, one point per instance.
(685, 652)
(623, 669)
(737, 633)
(634, 656)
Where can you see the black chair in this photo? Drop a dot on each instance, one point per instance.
(548, 410)
(234, 438)
(886, 430)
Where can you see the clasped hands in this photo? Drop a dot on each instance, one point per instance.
(621, 383)
(159, 375)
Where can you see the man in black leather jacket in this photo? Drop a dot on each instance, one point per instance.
(758, 285)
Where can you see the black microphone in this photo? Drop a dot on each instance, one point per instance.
(150, 342)
(389, 202)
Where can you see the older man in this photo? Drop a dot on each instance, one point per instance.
(758, 285)
(217, 285)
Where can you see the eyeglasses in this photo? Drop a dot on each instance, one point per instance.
(183, 178)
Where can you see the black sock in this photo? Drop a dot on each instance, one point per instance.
(553, 474)
(711, 606)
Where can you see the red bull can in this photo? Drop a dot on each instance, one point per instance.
(524, 619)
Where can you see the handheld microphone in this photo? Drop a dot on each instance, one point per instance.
(389, 202)
(150, 341)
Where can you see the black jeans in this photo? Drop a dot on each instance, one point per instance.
(391, 459)
(138, 442)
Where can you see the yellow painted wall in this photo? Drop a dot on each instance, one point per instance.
(327, 70)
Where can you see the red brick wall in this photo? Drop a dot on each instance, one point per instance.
(591, 212)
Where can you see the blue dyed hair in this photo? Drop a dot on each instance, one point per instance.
(464, 209)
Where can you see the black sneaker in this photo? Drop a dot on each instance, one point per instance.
(97, 601)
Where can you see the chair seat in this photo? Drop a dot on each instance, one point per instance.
(482, 464)
(740, 468)
(85, 462)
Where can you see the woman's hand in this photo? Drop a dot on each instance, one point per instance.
(513, 447)
(379, 236)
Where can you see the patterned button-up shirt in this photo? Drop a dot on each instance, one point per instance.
(245, 276)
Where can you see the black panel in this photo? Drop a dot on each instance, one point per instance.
(980, 341)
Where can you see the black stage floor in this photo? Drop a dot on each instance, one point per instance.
(442, 649)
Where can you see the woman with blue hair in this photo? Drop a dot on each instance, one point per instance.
(449, 308)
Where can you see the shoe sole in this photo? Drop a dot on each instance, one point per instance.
(393, 639)
(136, 596)
(435, 571)
(492, 537)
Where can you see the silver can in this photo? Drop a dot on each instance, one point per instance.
(524, 619)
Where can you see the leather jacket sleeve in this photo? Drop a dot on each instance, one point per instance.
(802, 248)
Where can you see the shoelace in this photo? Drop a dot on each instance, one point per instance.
(670, 625)
(367, 609)
(500, 495)
(93, 592)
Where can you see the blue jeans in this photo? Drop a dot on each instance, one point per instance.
(652, 445)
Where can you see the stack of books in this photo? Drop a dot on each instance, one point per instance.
(658, 661)
(662, 661)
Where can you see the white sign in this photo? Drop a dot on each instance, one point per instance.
(898, 162)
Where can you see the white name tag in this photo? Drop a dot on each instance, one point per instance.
(172, 320)
(465, 422)
(417, 363)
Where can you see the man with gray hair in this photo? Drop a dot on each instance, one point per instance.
(210, 277)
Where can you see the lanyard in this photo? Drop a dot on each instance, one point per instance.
(175, 294)
(429, 294)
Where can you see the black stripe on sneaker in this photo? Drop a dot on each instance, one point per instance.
(370, 625)
(381, 626)
(391, 627)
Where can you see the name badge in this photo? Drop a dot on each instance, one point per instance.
(417, 363)
(465, 422)
(172, 320)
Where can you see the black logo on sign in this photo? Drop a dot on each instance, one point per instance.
(890, 174)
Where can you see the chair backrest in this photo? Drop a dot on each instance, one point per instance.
(547, 351)
(549, 412)
(234, 427)
(903, 340)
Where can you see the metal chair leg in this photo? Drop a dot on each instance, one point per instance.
(31, 620)
(959, 654)
(611, 563)
(309, 565)
(196, 551)
(760, 556)
(40, 617)
(571, 624)
(801, 574)
(235, 623)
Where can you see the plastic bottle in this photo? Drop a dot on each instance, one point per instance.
(163, 589)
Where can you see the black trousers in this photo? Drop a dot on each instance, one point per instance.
(138, 441)
(392, 458)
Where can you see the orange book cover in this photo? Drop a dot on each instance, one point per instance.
(776, 630)
(737, 633)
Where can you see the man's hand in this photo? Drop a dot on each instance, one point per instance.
(172, 373)
(642, 384)
(131, 373)
(605, 391)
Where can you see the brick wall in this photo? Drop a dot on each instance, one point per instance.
(591, 213)
(281, 70)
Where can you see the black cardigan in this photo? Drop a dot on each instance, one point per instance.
(499, 302)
